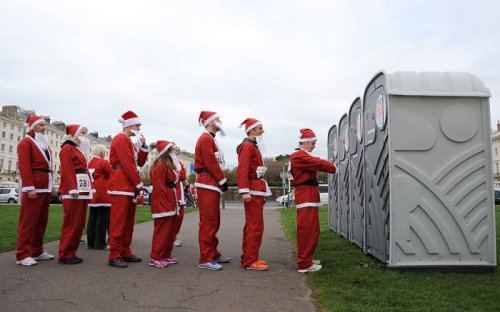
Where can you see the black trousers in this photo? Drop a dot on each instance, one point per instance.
(97, 227)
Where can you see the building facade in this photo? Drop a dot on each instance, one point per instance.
(12, 130)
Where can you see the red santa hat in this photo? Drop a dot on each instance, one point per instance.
(32, 121)
(162, 146)
(72, 131)
(207, 117)
(128, 119)
(250, 123)
(307, 135)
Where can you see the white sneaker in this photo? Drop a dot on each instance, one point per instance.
(212, 266)
(316, 261)
(177, 243)
(44, 256)
(27, 262)
(312, 268)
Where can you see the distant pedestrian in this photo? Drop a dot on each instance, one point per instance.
(210, 183)
(75, 190)
(100, 205)
(125, 184)
(35, 168)
(164, 206)
(303, 169)
(253, 190)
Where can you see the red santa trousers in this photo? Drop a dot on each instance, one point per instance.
(121, 226)
(32, 225)
(75, 212)
(178, 222)
(307, 235)
(253, 230)
(163, 237)
(208, 202)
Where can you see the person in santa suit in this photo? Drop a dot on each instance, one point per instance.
(253, 190)
(100, 205)
(75, 190)
(164, 205)
(210, 183)
(35, 165)
(128, 150)
(302, 173)
(179, 187)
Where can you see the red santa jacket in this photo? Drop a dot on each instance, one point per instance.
(74, 173)
(304, 167)
(249, 159)
(164, 198)
(206, 164)
(179, 186)
(101, 171)
(34, 166)
(123, 157)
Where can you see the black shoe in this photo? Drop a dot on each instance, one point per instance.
(118, 263)
(72, 260)
(132, 258)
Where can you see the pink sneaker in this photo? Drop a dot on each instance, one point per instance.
(158, 263)
(172, 260)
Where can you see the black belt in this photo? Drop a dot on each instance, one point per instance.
(118, 166)
(81, 171)
(308, 182)
(202, 170)
(41, 170)
(171, 184)
(256, 179)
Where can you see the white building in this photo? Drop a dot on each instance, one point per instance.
(12, 130)
(495, 150)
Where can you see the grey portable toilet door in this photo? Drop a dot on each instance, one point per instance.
(343, 173)
(333, 191)
(376, 149)
(356, 175)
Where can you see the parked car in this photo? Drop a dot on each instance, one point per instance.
(286, 200)
(9, 195)
(497, 196)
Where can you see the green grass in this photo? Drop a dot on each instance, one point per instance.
(9, 216)
(353, 281)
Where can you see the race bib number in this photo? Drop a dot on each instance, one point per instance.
(83, 182)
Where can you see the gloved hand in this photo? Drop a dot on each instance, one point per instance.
(224, 187)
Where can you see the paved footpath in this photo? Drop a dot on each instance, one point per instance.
(95, 286)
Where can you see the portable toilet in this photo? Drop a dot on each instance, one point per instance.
(428, 180)
(333, 191)
(356, 173)
(343, 177)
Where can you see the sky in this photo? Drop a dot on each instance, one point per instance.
(289, 63)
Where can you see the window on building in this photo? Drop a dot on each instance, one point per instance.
(11, 127)
(10, 165)
(4, 124)
(51, 142)
(12, 136)
(19, 129)
(10, 149)
(1, 163)
(497, 167)
(496, 151)
(2, 148)
(3, 134)
(18, 138)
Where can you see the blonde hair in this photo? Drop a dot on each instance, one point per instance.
(99, 149)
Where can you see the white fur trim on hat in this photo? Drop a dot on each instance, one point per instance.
(169, 145)
(130, 122)
(39, 121)
(308, 140)
(258, 123)
(210, 119)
